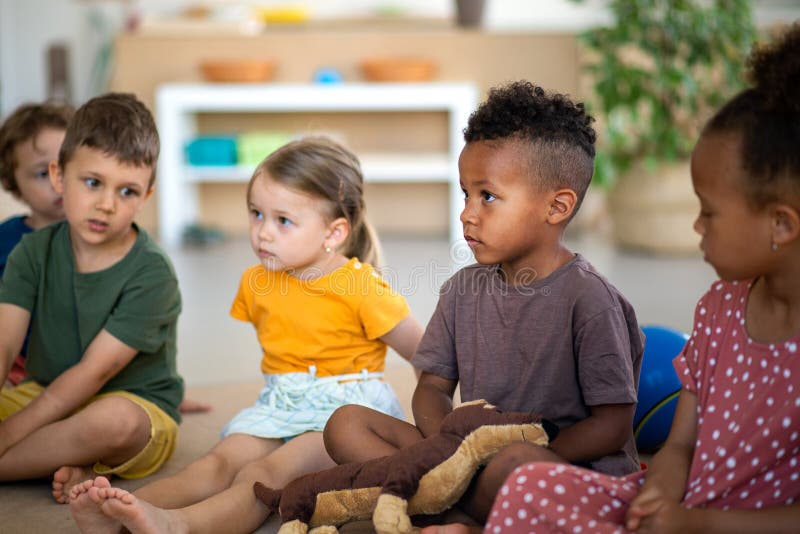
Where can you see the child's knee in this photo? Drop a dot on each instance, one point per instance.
(260, 471)
(341, 426)
(344, 417)
(218, 466)
(117, 422)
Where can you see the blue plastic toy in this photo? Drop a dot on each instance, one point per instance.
(212, 150)
(658, 387)
(327, 75)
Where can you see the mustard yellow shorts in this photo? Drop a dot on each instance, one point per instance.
(163, 429)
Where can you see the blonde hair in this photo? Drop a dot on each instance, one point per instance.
(324, 169)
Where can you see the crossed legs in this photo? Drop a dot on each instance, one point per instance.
(356, 434)
(478, 500)
(110, 430)
(230, 509)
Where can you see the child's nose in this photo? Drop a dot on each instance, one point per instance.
(106, 202)
(697, 226)
(265, 232)
(468, 214)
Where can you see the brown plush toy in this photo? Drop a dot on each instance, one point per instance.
(425, 478)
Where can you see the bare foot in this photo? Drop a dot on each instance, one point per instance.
(83, 487)
(65, 478)
(86, 512)
(193, 406)
(452, 528)
(138, 516)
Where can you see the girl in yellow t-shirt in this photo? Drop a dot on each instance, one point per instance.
(323, 317)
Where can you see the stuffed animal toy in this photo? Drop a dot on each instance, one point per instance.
(425, 478)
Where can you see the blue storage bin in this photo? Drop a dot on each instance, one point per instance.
(212, 150)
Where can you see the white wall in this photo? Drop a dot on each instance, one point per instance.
(28, 27)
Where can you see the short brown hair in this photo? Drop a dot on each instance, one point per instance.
(25, 123)
(118, 125)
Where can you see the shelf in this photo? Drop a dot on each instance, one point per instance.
(376, 168)
(178, 104)
(298, 98)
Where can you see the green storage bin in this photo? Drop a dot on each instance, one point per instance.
(253, 147)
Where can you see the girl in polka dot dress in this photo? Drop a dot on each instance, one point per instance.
(732, 459)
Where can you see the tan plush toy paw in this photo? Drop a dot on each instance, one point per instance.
(425, 478)
(391, 515)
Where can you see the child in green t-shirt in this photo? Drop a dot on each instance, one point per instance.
(104, 391)
(30, 138)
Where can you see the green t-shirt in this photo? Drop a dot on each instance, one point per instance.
(136, 300)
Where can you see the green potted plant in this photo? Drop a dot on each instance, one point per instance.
(658, 72)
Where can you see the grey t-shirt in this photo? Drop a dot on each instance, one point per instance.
(556, 346)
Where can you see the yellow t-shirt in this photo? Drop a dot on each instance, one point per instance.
(333, 322)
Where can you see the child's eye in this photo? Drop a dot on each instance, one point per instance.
(256, 214)
(43, 174)
(283, 221)
(464, 192)
(487, 196)
(93, 183)
(128, 192)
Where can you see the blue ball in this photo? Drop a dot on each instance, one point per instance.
(658, 387)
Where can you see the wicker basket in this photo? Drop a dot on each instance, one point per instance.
(398, 69)
(238, 70)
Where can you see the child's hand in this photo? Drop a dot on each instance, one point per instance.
(668, 517)
(648, 502)
(652, 513)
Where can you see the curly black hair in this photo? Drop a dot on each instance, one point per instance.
(766, 116)
(557, 130)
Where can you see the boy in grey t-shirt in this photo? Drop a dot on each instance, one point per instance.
(532, 327)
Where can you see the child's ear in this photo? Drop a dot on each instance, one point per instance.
(56, 177)
(338, 231)
(785, 224)
(145, 196)
(562, 204)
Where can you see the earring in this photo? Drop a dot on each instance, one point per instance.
(774, 247)
(328, 249)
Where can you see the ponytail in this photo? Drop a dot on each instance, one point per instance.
(364, 244)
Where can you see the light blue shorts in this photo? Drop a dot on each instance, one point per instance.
(293, 403)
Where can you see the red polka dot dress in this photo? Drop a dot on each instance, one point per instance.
(747, 453)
